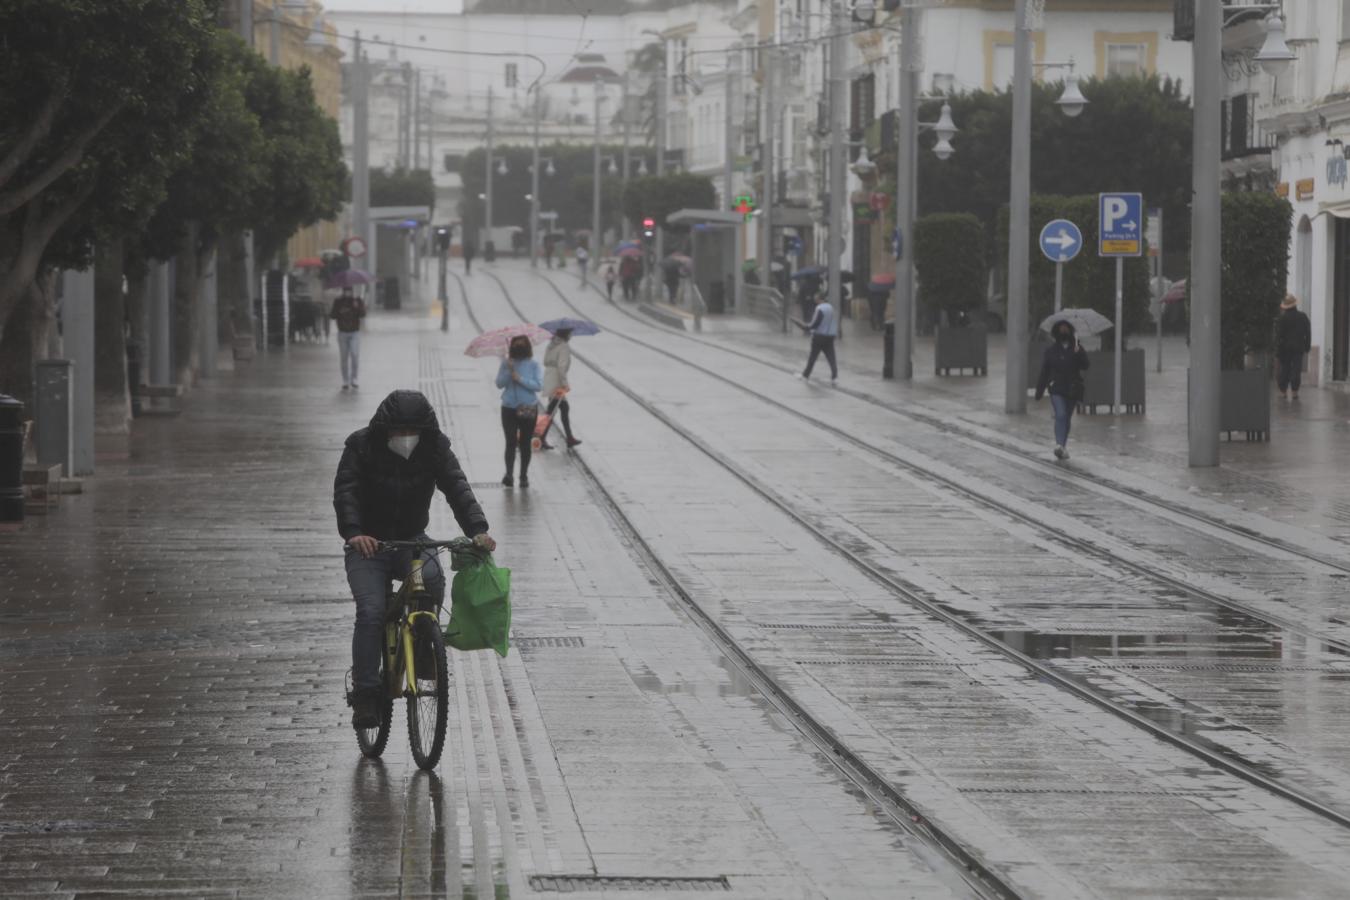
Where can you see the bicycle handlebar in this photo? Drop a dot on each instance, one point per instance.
(462, 544)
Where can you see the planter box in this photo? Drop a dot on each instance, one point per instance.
(962, 347)
(1100, 378)
(1244, 403)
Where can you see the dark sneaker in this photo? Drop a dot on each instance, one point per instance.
(572, 442)
(524, 481)
(365, 710)
(508, 480)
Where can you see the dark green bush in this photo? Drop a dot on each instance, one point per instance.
(1255, 270)
(950, 264)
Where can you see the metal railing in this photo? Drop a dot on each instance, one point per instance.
(764, 303)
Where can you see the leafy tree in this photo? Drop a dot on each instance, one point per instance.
(1255, 269)
(560, 192)
(949, 260)
(657, 196)
(1134, 135)
(402, 187)
(94, 98)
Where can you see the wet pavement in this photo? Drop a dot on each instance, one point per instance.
(173, 643)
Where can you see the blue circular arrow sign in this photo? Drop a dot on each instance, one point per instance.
(1061, 240)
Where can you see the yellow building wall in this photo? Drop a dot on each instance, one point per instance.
(325, 64)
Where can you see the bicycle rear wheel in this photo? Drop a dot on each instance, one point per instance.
(372, 741)
(427, 712)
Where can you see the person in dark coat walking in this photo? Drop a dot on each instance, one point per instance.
(1293, 339)
(1062, 369)
(386, 479)
(469, 252)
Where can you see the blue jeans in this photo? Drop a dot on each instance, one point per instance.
(1063, 407)
(369, 580)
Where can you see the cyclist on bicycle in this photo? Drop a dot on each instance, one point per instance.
(385, 483)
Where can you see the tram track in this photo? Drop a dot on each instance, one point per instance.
(976, 873)
(1076, 686)
(1009, 451)
(1005, 507)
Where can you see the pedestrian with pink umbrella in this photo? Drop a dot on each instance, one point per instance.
(520, 379)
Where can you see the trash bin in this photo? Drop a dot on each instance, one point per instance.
(134, 375)
(11, 459)
(888, 351)
(391, 296)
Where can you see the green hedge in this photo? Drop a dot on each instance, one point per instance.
(950, 264)
(1255, 261)
(1089, 279)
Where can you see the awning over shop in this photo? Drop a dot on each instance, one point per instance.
(1340, 210)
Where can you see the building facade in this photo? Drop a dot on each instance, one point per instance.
(1307, 110)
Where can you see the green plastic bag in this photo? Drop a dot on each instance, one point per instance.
(480, 606)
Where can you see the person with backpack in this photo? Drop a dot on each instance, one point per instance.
(1062, 369)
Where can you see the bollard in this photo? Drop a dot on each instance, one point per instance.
(134, 375)
(11, 459)
(888, 351)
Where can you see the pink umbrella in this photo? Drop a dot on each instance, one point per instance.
(496, 342)
(1176, 293)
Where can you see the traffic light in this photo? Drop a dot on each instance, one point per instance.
(649, 228)
(443, 233)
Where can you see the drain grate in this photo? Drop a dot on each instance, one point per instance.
(531, 643)
(795, 626)
(570, 883)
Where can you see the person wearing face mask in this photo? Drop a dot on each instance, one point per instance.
(1062, 369)
(520, 379)
(386, 479)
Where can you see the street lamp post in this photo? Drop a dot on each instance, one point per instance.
(834, 254)
(1071, 103)
(905, 206)
(1203, 381)
(487, 171)
(595, 185)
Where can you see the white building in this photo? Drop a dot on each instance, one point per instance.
(468, 58)
(1309, 113)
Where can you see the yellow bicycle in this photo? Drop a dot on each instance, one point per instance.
(413, 664)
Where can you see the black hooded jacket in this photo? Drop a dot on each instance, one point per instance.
(380, 494)
(1061, 367)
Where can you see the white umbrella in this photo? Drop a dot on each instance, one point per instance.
(1084, 321)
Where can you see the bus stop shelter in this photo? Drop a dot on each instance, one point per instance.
(717, 246)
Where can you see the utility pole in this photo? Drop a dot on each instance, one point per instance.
(417, 118)
(662, 86)
(838, 161)
(624, 225)
(1019, 221)
(906, 183)
(1202, 420)
(360, 143)
(534, 185)
(770, 74)
(487, 217)
(595, 185)
(732, 90)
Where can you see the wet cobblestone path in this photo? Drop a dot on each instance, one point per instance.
(173, 643)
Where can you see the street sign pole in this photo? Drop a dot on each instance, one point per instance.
(1059, 285)
(1120, 321)
(1060, 242)
(1120, 225)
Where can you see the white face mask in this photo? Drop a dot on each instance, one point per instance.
(404, 445)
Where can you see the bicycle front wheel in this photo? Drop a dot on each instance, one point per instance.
(428, 710)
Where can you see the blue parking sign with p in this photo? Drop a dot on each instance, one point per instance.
(1120, 224)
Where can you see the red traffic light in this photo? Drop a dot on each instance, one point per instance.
(648, 223)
